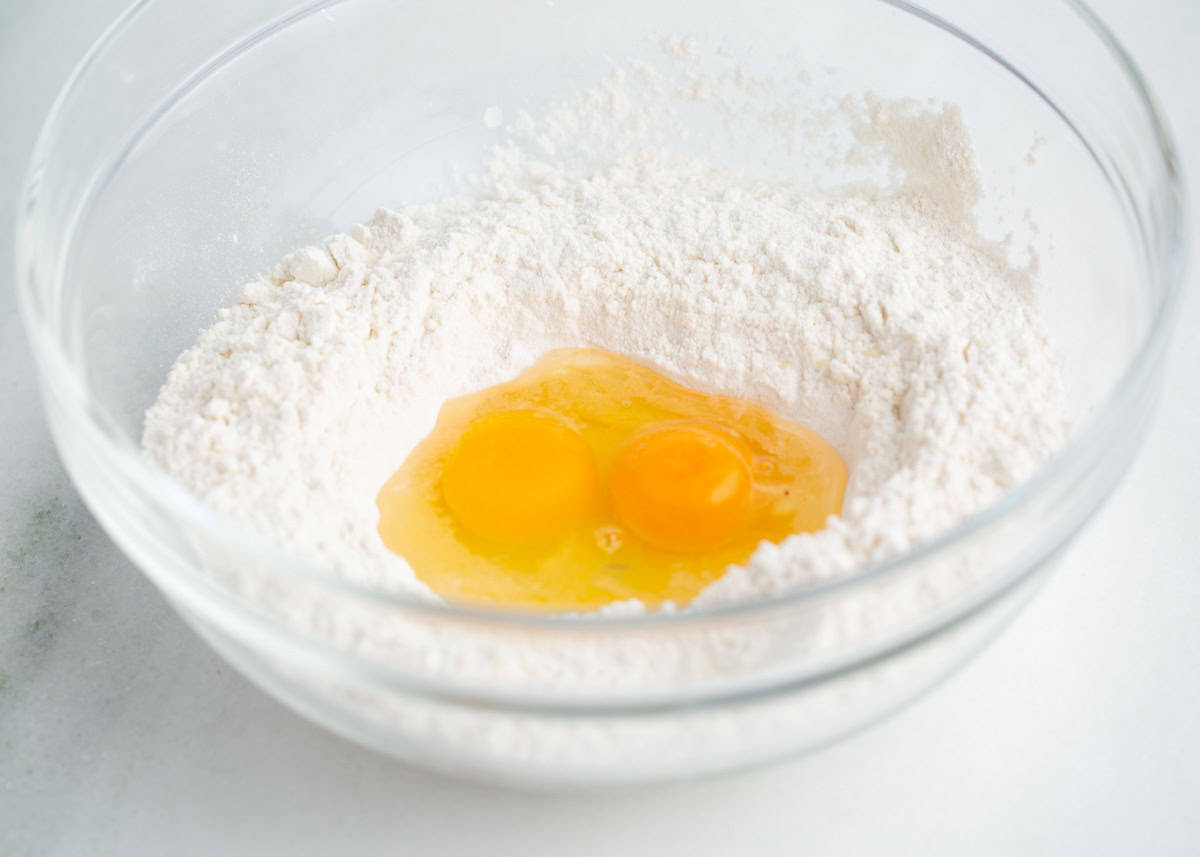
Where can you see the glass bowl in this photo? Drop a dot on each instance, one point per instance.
(190, 151)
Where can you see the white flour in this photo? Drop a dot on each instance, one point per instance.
(873, 312)
(876, 315)
(878, 318)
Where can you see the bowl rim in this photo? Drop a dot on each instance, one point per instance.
(55, 364)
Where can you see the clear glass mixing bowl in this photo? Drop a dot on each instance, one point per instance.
(191, 150)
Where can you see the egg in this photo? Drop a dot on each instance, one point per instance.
(591, 479)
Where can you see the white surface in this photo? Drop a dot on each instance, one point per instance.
(1077, 732)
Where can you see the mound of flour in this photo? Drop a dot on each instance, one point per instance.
(877, 316)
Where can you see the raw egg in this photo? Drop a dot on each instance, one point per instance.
(591, 478)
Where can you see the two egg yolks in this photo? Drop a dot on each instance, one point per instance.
(591, 479)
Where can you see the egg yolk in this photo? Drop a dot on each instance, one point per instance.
(682, 487)
(591, 479)
(519, 477)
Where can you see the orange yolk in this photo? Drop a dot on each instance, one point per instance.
(591, 479)
(682, 487)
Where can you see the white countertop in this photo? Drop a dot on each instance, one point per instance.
(1077, 732)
